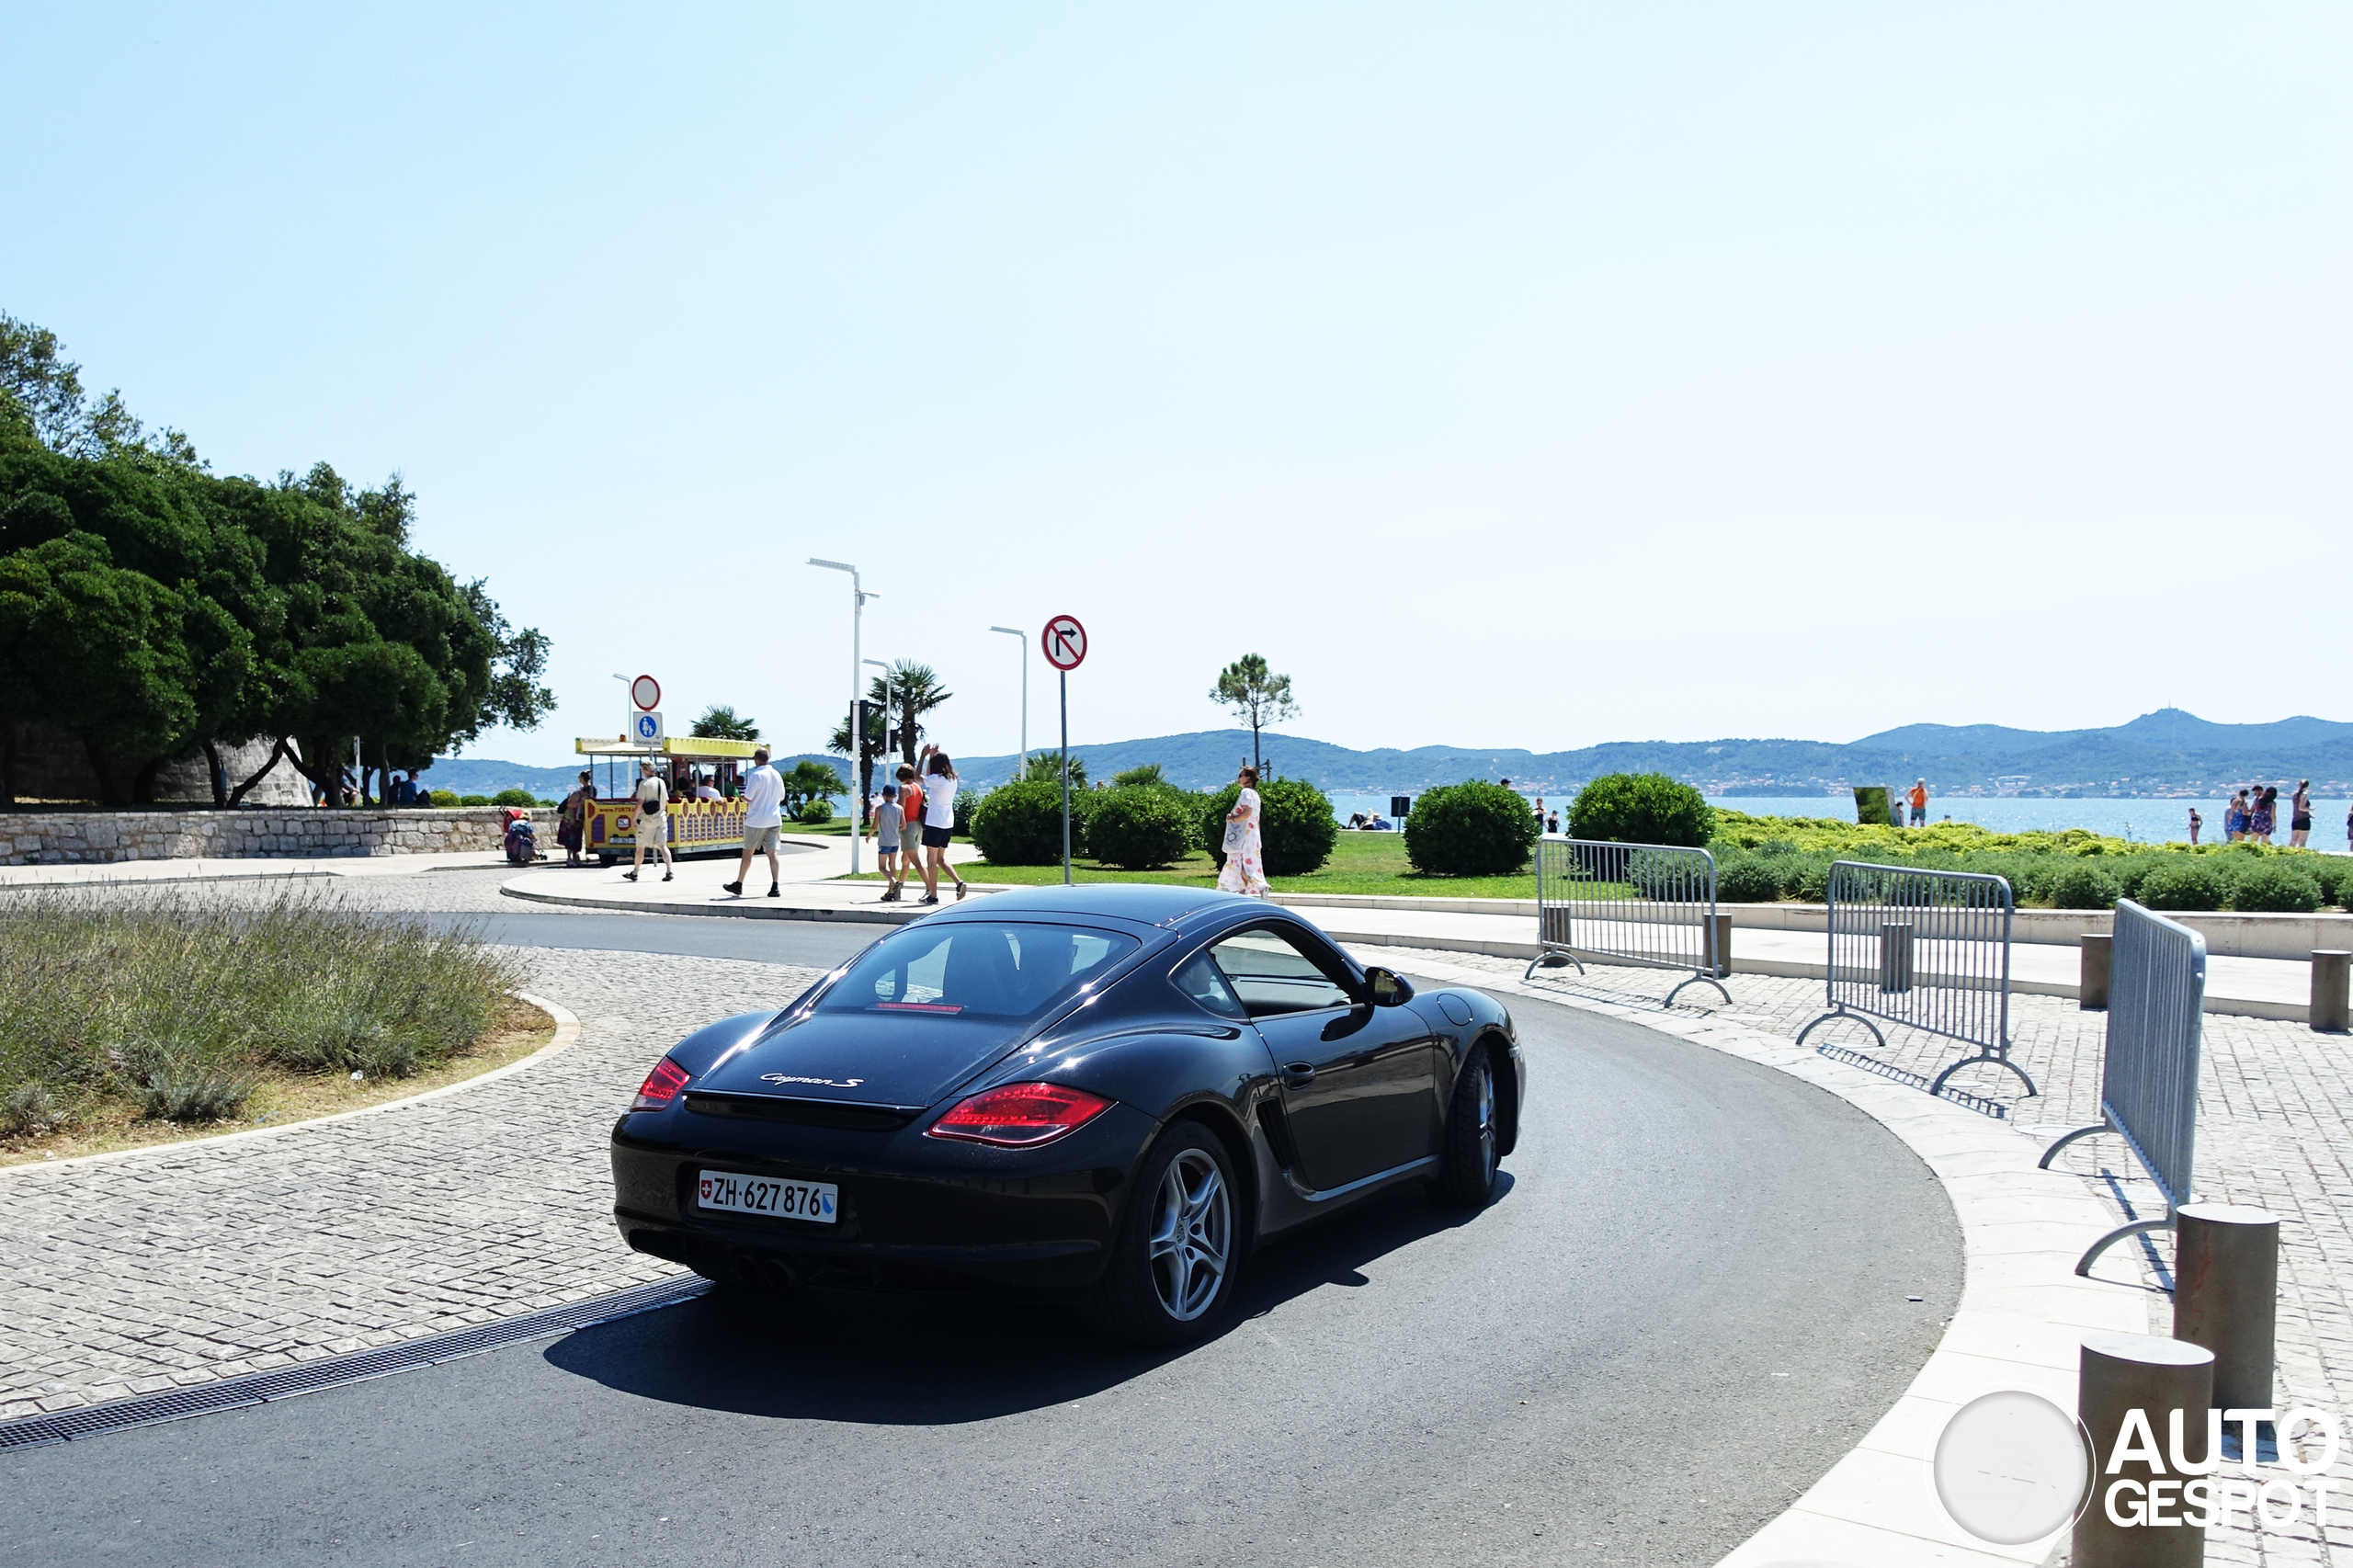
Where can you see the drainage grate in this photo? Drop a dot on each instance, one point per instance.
(1962, 1097)
(285, 1383)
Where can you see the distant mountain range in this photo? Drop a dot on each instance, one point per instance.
(2161, 754)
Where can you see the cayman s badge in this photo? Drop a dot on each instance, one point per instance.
(827, 1083)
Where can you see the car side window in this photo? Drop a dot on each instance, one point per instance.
(1271, 975)
(1200, 980)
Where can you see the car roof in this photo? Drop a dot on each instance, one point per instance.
(1146, 904)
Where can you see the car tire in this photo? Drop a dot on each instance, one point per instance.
(1467, 1167)
(1177, 1260)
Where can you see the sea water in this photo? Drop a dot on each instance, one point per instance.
(2142, 821)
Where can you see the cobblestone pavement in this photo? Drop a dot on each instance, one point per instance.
(2275, 1130)
(182, 1266)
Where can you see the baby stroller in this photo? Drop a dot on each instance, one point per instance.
(522, 839)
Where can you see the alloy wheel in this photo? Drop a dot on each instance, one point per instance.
(1192, 1236)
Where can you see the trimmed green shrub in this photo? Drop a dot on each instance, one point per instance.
(1021, 823)
(2083, 886)
(1640, 808)
(961, 827)
(513, 798)
(445, 799)
(1471, 829)
(2188, 883)
(2335, 875)
(1747, 879)
(1137, 826)
(1814, 882)
(473, 800)
(2274, 887)
(813, 814)
(1300, 832)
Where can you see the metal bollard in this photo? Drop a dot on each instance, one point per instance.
(1723, 944)
(2091, 985)
(1895, 955)
(2331, 969)
(2226, 1295)
(2121, 1372)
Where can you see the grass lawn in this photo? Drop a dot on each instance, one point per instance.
(1372, 863)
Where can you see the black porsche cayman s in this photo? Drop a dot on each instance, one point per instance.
(1115, 1091)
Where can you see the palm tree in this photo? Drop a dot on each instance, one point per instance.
(913, 690)
(719, 721)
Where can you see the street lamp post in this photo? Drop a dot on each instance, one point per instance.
(1024, 639)
(857, 597)
(863, 780)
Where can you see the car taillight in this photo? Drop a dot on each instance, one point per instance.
(660, 1086)
(1019, 1114)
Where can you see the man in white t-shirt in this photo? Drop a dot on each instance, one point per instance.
(763, 821)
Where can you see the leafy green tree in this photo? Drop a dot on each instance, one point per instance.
(1256, 695)
(721, 723)
(96, 649)
(872, 745)
(303, 616)
(1148, 773)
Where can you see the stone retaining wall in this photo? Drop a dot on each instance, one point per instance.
(54, 838)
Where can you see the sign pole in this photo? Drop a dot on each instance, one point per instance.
(1066, 686)
(1065, 644)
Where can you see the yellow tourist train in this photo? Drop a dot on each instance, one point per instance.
(687, 763)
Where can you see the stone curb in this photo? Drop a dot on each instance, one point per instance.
(2018, 1325)
(567, 1030)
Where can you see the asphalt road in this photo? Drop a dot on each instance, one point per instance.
(1689, 1303)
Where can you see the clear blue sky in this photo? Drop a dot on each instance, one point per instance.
(1530, 375)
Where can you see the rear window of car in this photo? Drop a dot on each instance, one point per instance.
(969, 968)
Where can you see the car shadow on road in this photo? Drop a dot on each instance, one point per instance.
(941, 1359)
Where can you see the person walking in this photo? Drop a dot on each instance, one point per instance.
(652, 823)
(888, 824)
(1245, 859)
(2300, 816)
(910, 818)
(572, 819)
(1919, 802)
(939, 821)
(2196, 821)
(763, 823)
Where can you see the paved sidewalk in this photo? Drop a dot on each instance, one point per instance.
(2275, 1130)
(199, 1261)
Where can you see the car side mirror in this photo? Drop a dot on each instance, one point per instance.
(1387, 987)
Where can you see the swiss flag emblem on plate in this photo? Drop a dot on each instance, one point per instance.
(706, 1189)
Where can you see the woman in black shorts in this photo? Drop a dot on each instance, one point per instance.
(2300, 820)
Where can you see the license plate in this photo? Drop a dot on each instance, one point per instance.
(816, 1201)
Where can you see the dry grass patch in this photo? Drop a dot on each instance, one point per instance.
(285, 1099)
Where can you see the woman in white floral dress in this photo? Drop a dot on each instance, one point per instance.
(1245, 860)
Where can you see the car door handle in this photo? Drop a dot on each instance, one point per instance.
(1298, 1074)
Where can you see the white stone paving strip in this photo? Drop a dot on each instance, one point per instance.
(173, 1266)
(2275, 1130)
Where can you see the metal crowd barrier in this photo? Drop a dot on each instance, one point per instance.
(1928, 949)
(2148, 1078)
(1648, 905)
